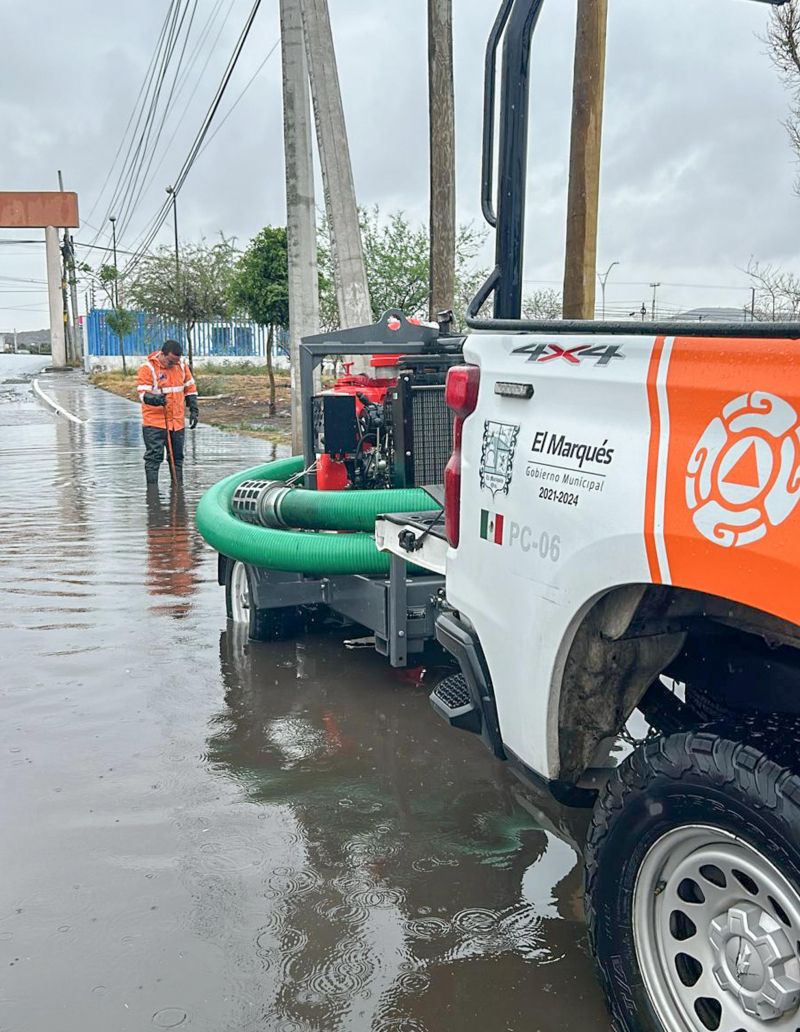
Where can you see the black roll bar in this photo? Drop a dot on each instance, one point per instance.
(489, 79)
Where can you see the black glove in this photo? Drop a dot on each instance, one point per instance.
(194, 411)
(154, 399)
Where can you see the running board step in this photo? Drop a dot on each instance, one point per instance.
(451, 699)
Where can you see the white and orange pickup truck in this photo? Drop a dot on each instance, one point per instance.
(623, 532)
(622, 535)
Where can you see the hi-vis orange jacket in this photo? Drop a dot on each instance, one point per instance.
(176, 382)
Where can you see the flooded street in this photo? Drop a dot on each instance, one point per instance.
(209, 834)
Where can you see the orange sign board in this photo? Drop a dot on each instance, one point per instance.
(34, 209)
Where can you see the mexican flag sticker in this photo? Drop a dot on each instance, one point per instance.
(492, 526)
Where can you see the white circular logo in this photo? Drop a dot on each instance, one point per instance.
(742, 476)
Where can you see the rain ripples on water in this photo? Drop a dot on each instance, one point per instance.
(205, 833)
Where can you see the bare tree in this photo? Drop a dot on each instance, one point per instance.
(783, 43)
(777, 292)
(542, 304)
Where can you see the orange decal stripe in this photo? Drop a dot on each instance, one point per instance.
(652, 462)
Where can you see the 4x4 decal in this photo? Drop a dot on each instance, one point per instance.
(601, 353)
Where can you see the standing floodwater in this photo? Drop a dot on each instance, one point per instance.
(210, 834)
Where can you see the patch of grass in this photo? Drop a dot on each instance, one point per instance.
(210, 385)
(263, 432)
(224, 368)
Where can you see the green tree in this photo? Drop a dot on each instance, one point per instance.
(119, 320)
(397, 257)
(260, 288)
(199, 292)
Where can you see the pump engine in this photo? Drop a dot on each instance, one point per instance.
(388, 430)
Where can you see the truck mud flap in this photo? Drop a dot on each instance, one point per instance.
(466, 701)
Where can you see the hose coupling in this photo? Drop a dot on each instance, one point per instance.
(259, 502)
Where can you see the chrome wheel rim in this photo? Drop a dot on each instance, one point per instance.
(240, 594)
(716, 929)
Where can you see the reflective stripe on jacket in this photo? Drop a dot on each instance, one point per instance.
(176, 382)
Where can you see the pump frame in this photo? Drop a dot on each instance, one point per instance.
(400, 609)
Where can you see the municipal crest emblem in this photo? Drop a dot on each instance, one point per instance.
(743, 476)
(497, 455)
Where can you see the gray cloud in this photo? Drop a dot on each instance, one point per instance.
(697, 171)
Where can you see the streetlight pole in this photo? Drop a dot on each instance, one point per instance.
(655, 287)
(603, 279)
(113, 220)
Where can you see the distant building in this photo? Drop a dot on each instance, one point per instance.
(729, 315)
(232, 339)
(35, 342)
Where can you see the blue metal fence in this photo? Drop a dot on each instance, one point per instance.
(234, 338)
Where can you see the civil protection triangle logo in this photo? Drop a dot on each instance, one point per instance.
(497, 455)
(492, 526)
(743, 477)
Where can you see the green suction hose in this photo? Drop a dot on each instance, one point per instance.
(309, 551)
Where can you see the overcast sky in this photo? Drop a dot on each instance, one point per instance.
(697, 171)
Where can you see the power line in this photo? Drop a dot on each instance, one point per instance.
(141, 152)
(99, 247)
(250, 82)
(181, 120)
(132, 201)
(161, 216)
(664, 283)
(139, 106)
(130, 119)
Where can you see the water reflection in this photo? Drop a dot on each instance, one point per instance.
(405, 871)
(173, 552)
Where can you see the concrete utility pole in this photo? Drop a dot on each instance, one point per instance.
(441, 113)
(352, 290)
(58, 344)
(301, 219)
(584, 171)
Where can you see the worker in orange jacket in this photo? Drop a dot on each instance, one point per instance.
(166, 387)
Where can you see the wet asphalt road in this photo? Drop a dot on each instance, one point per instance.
(203, 833)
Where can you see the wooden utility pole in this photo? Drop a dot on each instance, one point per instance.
(441, 111)
(69, 324)
(584, 169)
(301, 221)
(349, 273)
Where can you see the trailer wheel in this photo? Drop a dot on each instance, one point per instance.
(693, 888)
(237, 592)
(262, 624)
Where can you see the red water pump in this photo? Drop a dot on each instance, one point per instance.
(350, 426)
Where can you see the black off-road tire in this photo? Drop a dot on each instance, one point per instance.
(722, 777)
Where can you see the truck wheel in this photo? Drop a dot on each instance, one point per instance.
(693, 888)
(262, 624)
